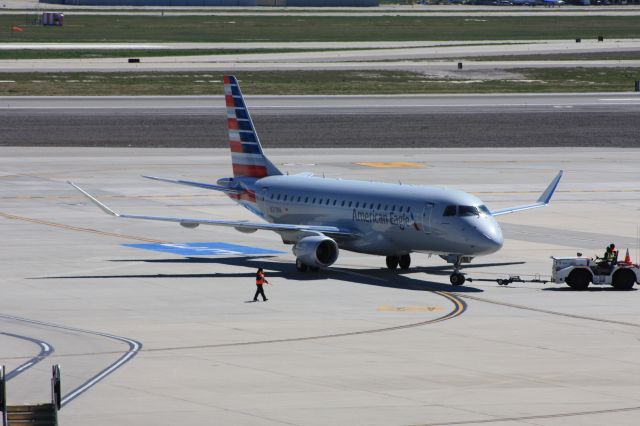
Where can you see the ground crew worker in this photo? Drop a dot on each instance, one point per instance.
(604, 260)
(610, 256)
(613, 254)
(259, 282)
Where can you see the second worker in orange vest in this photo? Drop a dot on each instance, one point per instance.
(259, 282)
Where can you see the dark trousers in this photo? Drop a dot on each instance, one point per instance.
(259, 291)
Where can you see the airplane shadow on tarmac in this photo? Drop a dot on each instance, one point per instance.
(592, 288)
(380, 277)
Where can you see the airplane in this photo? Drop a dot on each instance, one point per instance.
(320, 216)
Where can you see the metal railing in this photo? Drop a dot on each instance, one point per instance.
(56, 392)
(3, 396)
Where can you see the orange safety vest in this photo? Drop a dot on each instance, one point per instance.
(260, 278)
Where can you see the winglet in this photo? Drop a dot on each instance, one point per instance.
(94, 200)
(545, 197)
(542, 201)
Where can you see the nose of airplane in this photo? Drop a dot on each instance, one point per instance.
(490, 237)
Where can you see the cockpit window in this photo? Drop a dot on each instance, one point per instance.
(468, 211)
(449, 211)
(485, 210)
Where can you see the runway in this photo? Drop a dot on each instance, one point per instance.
(600, 119)
(353, 342)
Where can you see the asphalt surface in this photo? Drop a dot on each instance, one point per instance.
(340, 121)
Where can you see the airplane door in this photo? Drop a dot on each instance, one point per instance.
(426, 218)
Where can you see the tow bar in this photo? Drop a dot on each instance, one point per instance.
(511, 279)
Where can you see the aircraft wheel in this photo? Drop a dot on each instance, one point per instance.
(392, 262)
(457, 278)
(301, 267)
(578, 279)
(623, 279)
(405, 261)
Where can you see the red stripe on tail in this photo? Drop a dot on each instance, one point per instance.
(249, 170)
(235, 146)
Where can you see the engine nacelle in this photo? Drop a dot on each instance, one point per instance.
(245, 230)
(316, 251)
(189, 225)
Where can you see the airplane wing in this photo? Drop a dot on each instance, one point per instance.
(238, 224)
(542, 201)
(191, 183)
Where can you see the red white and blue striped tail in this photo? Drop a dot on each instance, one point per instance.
(246, 152)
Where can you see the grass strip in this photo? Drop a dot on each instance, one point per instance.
(316, 82)
(88, 28)
(117, 53)
(586, 56)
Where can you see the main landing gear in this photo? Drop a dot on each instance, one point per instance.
(303, 267)
(403, 260)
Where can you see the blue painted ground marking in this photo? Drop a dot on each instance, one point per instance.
(203, 249)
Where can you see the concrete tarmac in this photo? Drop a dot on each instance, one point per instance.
(210, 64)
(355, 344)
(412, 56)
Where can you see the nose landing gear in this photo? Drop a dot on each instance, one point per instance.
(457, 278)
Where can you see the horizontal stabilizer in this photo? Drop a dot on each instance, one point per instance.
(196, 184)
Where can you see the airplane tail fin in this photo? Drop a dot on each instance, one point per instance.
(247, 157)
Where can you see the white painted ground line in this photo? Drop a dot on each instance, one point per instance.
(341, 106)
(24, 367)
(135, 347)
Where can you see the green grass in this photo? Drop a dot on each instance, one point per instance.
(107, 53)
(313, 82)
(86, 28)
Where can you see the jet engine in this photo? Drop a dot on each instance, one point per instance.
(316, 251)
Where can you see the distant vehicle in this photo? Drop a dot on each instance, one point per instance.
(579, 272)
(319, 215)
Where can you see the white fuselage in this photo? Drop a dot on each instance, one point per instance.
(392, 219)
